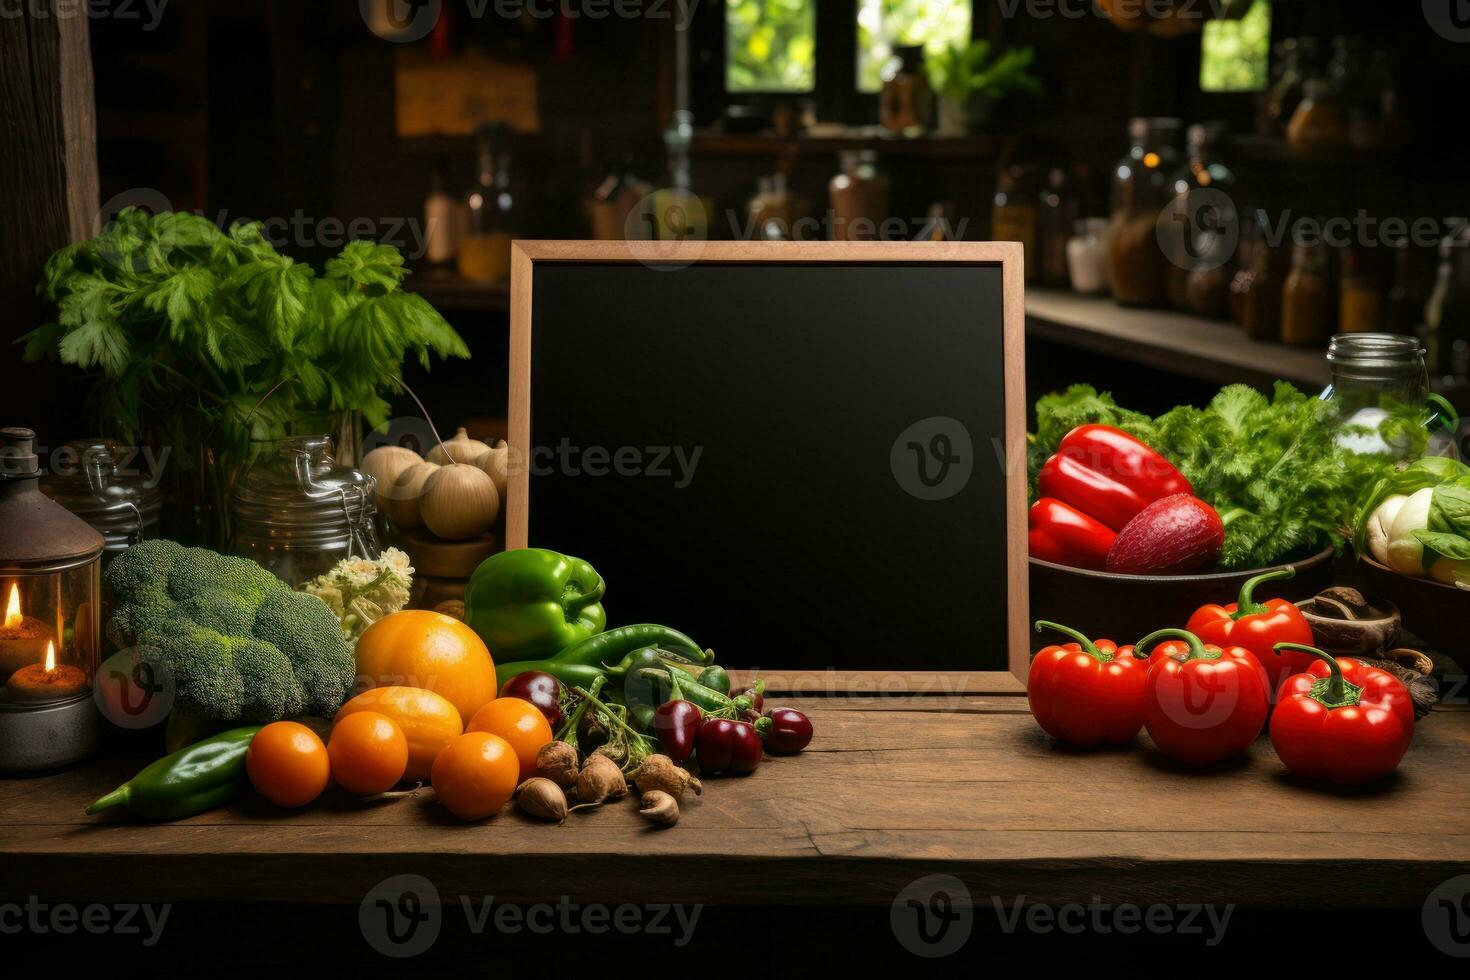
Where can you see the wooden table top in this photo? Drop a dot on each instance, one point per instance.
(890, 790)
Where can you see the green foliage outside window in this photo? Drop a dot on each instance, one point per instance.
(1236, 54)
(884, 24)
(770, 45)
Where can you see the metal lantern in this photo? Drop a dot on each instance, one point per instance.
(50, 620)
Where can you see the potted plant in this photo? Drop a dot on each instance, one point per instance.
(207, 344)
(970, 83)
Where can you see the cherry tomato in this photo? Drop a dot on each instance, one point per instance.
(728, 746)
(288, 763)
(475, 775)
(369, 753)
(790, 731)
(541, 689)
(676, 723)
(520, 723)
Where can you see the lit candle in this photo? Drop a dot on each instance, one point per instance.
(23, 639)
(46, 682)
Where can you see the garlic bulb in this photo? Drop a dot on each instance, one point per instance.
(384, 465)
(460, 502)
(460, 449)
(406, 494)
(496, 462)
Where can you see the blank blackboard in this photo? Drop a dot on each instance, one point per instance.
(798, 459)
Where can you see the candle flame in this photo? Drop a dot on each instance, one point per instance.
(13, 617)
(50, 656)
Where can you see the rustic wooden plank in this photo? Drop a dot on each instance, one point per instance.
(884, 795)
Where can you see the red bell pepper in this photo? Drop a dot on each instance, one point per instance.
(1063, 534)
(1086, 693)
(1202, 704)
(1341, 720)
(1259, 627)
(1108, 475)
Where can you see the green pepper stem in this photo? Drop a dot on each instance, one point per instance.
(1088, 647)
(575, 602)
(1248, 606)
(1337, 685)
(1197, 649)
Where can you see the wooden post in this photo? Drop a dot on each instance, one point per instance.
(48, 190)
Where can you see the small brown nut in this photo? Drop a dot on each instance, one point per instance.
(659, 808)
(600, 780)
(539, 797)
(557, 761)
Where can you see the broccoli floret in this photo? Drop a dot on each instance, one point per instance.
(238, 642)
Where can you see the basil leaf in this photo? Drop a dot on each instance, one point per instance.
(1450, 510)
(1451, 546)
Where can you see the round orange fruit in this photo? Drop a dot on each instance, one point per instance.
(476, 775)
(520, 723)
(369, 753)
(428, 721)
(288, 764)
(431, 651)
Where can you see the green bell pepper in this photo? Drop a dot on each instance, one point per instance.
(200, 777)
(530, 604)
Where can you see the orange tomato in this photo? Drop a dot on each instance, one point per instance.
(418, 648)
(475, 775)
(520, 723)
(288, 763)
(428, 721)
(369, 753)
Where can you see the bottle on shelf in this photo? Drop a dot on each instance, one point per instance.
(1013, 216)
(858, 196)
(1200, 282)
(1261, 290)
(491, 214)
(443, 222)
(1137, 265)
(679, 214)
(1305, 298)
(1060, 208)
(1360, 296)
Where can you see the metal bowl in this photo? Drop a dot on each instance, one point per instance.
(1432, 610)
(1125, 608)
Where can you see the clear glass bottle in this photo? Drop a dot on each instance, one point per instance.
(1013, 216)
(1142, 187)
(1380, 386)
(1205, 185)
(1060, 208)
(490, 216)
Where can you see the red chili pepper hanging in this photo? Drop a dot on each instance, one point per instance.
(1341, 720)
(1259, 627)
(1086, 693)
(1202, 704)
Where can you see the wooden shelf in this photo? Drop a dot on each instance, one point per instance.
(449, 292)
(1210, 350)
(714, 143)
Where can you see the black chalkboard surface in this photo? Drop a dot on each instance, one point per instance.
(799, 463)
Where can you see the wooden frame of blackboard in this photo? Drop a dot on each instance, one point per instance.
(1007, 255)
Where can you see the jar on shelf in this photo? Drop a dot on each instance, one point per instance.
(298, 513)
(1060, 207)
(1321, 120)
(1305, 299)
(1087, 257)
(906, 103)
(1142, 188)
(1360, 295)
(105, 485)
(1379, 377)
(858, 196)
(1259, 289)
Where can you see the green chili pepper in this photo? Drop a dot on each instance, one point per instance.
(706, 698)
(200, 777)
(607, 649)
(571, 675)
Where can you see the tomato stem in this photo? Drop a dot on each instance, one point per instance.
(1197, 650)
(1088, 647)
(1338, 691)
(1247, 605)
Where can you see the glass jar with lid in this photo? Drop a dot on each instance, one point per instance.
(298, 513)
(1380, 387)
(1142, 188)
(115, 490)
